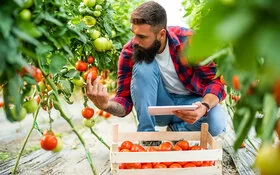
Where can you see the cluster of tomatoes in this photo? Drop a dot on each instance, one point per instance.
(87, 68)
(51, 142)
(182, 145)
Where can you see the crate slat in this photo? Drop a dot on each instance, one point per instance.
(214, 170)
(166, 156)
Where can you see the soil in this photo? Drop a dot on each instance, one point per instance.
(72, 159)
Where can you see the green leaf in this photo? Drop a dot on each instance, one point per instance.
(235, 25)
(29, 28)
(5, 24)
(51, 19)
(57, 62)
(66, 87)
(22, 35)
(269, 118)
(246, 118)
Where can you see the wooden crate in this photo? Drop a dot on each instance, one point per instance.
(203, 137)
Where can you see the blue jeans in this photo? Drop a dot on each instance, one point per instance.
(147, 89)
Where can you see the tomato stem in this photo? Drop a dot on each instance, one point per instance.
(99, 138)
(63, 115)
(25, 141)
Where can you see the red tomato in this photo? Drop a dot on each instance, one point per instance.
(175, 165)
(147, 165)
(122, 166)
(208, 163)
(126, 145)
(90, 59)
(133, 165)
(235, 82)
(160, 165)
(184, 144)
(177, 148)
(167, 163)
(196, 147)
(81, 66)
(87, 112)
(165, 146)
(124, 150)
(48, 142)
(2, 104)
(189, 164)
(93, 70)
(37, 74)
(106, 114)
(137, 148)
(151, 149)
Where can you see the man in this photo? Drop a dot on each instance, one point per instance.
(150, 73)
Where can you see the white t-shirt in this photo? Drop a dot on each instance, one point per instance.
(168, 73)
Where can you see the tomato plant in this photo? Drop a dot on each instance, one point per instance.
(30, 105)
(81, 66)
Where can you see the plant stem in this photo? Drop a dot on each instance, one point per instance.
(99, 138)
(69, 121)
(25, 141)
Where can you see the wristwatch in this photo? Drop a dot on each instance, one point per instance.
(207, 106)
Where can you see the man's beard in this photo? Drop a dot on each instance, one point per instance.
(148, 55)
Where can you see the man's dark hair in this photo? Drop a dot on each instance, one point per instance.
(150, 13)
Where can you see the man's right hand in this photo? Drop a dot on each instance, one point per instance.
(97, 93)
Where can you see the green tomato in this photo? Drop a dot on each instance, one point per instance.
(268, 159)
(25, 15)
(109, 44)
(96, 13)
(89, 3)
(101, 44)
(90, 21)
(30, 105)
(42, 86)
(89, 122)
(98, 7)
(78, 82)
(21, 115)
(113, 33)
(95, 34)
(59, 145)
(27, 3)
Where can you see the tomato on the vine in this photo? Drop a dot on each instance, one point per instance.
(30, 105)
(90, 59)
(78, 82)
(48, 132)
(93, 70)
(235, 82)
(25, 15)
(101, 44)
(96, 13)
(87, 112)
(81, 66)
(94, 34)
(89, 3)
(98, 7)
(37, 74)
(2, 104)
(22, 113)
(89, 20)
(89, 122)
(48, 142)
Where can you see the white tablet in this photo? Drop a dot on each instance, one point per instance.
(167, 110)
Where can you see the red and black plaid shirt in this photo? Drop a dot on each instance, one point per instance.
(198, 80)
